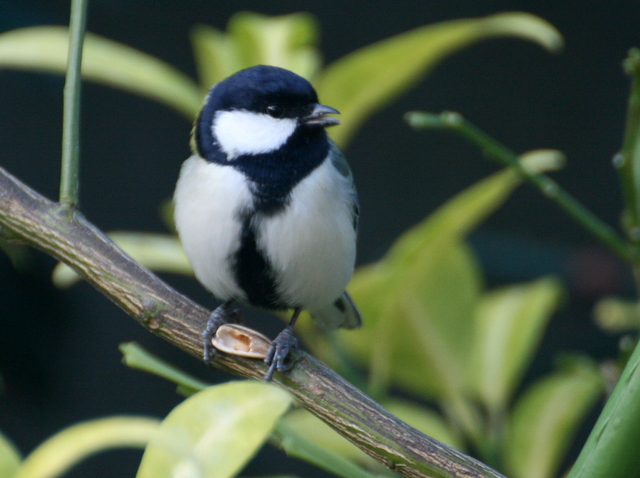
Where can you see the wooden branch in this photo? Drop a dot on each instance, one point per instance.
(68, 237)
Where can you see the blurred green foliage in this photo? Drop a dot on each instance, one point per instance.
(357, 85)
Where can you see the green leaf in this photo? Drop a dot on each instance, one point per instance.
(9, 458)
(44, 49)
(298, 445)
(312, 428)
(542, 160)
(454, 219)
(546, 418)
(214, 53)
(287, 41)
(65, 449)
(19, 255)
(214, 433)
(158, 252)
(616, 315)
(433, 321)
(364, 81)
(135, 356)
(510, 323)
(422, 323)
(612, 447)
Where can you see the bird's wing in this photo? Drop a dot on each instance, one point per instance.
(340, 163)
(341, 313)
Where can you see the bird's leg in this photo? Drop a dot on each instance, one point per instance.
(219, 316)
(280, 348)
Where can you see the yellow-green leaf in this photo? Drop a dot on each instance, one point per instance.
(314, 429)
(311, 445)
(616, 315)
(542, 160)
(158, 252)
(44, 49)
(287, 41)
(9, 458)
(65, 449)
(215, 432)
(215, 55)
(432, 321)
(510, 322)
(454, 219)
(545, 419)
(366, 80)
(135, 356)
(297, 445)
(20, 255)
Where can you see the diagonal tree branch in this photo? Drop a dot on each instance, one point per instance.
(67, 236)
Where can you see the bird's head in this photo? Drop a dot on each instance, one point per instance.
(256, 111)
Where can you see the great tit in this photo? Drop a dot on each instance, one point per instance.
(266, 208)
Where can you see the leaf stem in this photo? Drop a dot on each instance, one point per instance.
(626, 161)
(499, 153)
(135, 356)
(71, 115)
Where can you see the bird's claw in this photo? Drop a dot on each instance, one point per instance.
(279, 352)
(218, 317)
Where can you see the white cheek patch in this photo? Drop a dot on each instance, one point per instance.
(242, 132)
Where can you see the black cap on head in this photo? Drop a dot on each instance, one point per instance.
(256, 88)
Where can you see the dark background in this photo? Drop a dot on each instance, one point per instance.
(58, 349)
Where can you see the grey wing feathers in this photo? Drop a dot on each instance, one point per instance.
(340, 163)
(342, 313)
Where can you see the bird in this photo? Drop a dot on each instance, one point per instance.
(266, 207)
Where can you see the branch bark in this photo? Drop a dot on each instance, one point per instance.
(70, 238)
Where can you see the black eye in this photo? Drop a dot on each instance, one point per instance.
(275, 111)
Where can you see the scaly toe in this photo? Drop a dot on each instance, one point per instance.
(279, 352)
(216, 319)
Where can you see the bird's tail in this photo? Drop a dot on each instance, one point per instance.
(341, 313)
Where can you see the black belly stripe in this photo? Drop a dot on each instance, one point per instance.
(253, 272)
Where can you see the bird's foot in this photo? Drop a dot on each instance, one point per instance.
(219, 316)
(279, 352)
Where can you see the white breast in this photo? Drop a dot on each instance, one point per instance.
(312, 244)
(208, 198)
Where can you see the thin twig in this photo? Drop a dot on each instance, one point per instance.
(625, 161)
(166, 313)
(504, 156)
(70, 166)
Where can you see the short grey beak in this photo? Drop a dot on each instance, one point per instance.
(317, 116)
